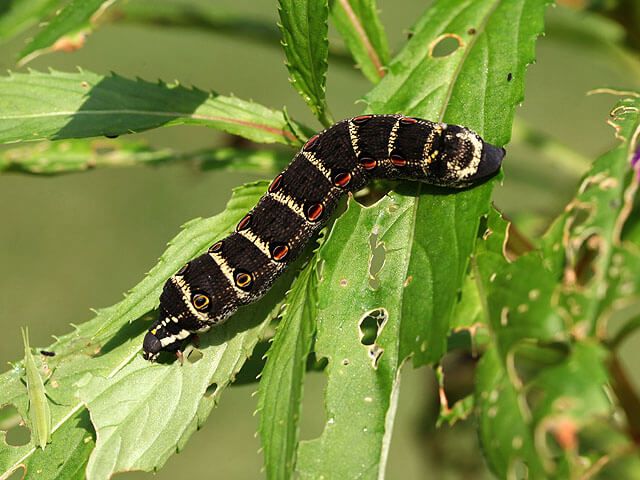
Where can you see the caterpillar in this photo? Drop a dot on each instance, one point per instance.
(241, 267)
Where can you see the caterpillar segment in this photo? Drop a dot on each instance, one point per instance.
(240, 268)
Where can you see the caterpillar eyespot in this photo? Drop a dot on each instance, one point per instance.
(244, 223)
(348, 154)
(183, 269)
(216, 247)
(200, 301)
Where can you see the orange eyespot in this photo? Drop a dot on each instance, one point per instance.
(275, 185)
(342, 179)
(362, 119)
(200, 301)
(314, 212)
(310, 142)
(368, 163)
(216, 247)
(244, 223)
(182, 269)
(398, 161)
(279, 252)
(408, 120)
(243, 279)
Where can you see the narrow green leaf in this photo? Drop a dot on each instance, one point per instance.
(78, 155)
(39, 411)
(304, 39)
(282, 378)
(59, 105)
(18, 16)
(67, 29)
(359, 24)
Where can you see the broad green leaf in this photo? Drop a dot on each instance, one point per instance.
(304, 39)
(428, 246)
(59, 105)
(18, 16)
(39, 411)
(102, 346)
(359, 25)
(280, 391)
(67, 30)
(77, 155)
(481, 82)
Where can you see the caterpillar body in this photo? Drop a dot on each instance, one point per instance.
(240, 268)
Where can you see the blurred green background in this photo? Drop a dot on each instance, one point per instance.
(73, 242)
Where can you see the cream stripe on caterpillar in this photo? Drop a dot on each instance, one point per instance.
(228, 273)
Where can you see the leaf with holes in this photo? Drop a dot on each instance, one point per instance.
(59, 105)
(359, 25)
(280, 390)
(304, 39)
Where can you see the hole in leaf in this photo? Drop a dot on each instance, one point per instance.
(445, 45)
(194, 355)
(9, 417)
(18, 435)
(376, 260)
(370, 326)
(18, 473)
(211, 390)
(459, 373)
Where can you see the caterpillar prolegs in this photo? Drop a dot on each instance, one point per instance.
(240, 268)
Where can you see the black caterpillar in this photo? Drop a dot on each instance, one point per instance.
(240, 268)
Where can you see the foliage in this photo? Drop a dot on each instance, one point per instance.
(386, 283)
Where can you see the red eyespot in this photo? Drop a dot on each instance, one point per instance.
(314, 212)
(362, 119)
(279, 252)
(244, 223)
(398, 161)
(408, 120)
(342, 179)
(310, 142)
(243, 279)
(368, 163)
(216, 247)
(275, 185)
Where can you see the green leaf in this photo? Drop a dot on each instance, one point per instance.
(18, 16)
(280, 388)
(480, 83)
(78, 155)
(304, 39)
(67, 454)
(60, 105)
(358, 23)
(427, 234)
(67, 30)
(102, 346)
(39, 411)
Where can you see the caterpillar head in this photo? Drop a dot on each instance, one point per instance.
(464, 158)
